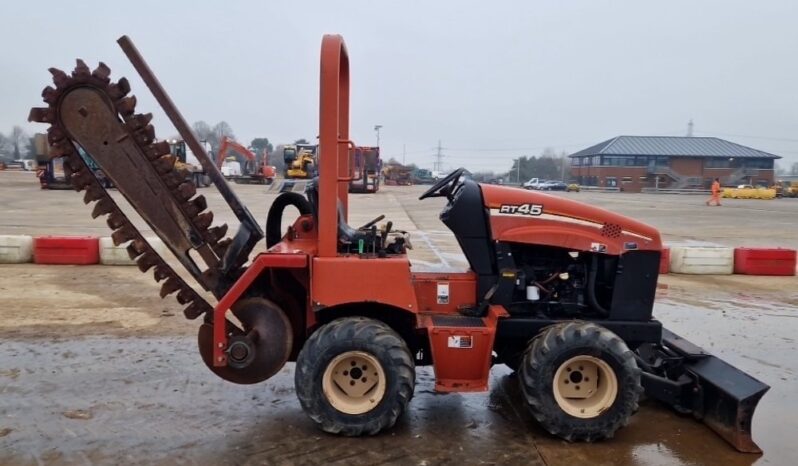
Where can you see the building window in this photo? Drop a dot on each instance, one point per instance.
(761, 164)
(717, 162)
(643, 179)
(620, 161)
(626, 179)
(576, 161)
(661, 161)
(610, 182)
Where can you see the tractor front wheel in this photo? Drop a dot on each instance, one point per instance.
(355, 376)
(580, 381)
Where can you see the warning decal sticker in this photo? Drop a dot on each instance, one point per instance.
(461, 341)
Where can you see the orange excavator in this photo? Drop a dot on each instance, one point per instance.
(254, 171)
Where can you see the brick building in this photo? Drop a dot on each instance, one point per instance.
(668, 162)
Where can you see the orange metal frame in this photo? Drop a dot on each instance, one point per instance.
(387, 281)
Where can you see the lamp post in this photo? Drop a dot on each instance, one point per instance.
(377, 129)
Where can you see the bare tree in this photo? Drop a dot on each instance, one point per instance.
(202, 130)
(794, 169)
(6, 149)
(213, 134)
(20, 141)
(221, 130)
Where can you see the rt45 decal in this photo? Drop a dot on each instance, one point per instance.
(522, 209)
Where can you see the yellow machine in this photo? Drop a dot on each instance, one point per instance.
(786, 188)
(300, 160)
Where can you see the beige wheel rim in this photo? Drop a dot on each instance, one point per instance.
(354, 382)
(585, 386)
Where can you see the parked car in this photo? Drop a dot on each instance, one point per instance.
(553, 185)
(534, 183)
(545, 185)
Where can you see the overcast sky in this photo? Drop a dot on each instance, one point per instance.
(491, 80)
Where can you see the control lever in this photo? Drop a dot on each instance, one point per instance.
(385, 232)
(372, 223)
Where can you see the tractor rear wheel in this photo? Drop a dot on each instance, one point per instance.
(354, 376)
(580, 381)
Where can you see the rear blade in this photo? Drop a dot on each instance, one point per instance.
(726, 395)
(692, 380)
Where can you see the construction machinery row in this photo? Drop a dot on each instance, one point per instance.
(560, 291)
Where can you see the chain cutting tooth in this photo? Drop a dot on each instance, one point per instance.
(102, 72)
(55, 135)
(41, 115)
(136, 248)
(145, 136)
(186, 191)
(120, 89)
(221, 247)
(148, 260)
(186, 295)
(50, 95)
(59, 77)
(171, 285)
(81, 71)
(139, 120)
(195, 206)
(196, 309)
(102, 207)
(126, 105)
(216, 233)
(116, 219)
(204, 220)
(173, 179)
(164, 164)
(81, 179)
(153, 151)
(93, 193)
(124, 234)
(59, 150)
(162, 271)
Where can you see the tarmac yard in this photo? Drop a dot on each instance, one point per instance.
(95, 368)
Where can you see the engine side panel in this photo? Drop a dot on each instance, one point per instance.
(635, 285)
(536, 218)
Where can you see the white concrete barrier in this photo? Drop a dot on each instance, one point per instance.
(16, 249)
(117, 255)
(702, 260)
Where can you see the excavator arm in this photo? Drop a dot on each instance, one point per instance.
(229, 144)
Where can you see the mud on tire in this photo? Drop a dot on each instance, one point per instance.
(549, 352)
(361, 338)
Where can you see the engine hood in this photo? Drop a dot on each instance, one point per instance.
(518, 215)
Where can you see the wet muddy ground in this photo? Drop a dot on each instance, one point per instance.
(96, 369)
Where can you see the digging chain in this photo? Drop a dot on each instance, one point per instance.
(83, 178)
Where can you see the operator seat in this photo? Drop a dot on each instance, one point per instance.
(346, 234)
(468, 219)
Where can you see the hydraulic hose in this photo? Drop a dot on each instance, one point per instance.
(591, 286)
(274, 230)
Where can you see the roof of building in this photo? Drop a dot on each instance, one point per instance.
(673, 146)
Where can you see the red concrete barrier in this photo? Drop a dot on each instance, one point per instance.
(72, 250)
(764, 261)
(665, 261)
